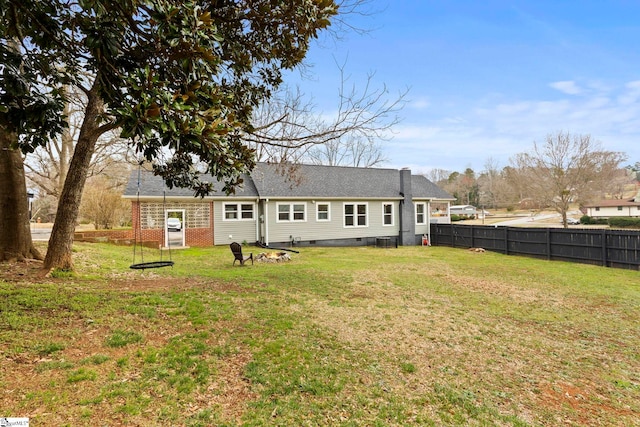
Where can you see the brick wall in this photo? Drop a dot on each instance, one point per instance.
(120, 237)
(199, 237)
(112, 234)
(193, 236)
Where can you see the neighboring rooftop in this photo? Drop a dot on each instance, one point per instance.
(612, 203)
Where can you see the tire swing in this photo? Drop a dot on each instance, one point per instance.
(142, 265)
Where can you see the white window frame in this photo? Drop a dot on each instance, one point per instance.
(384, 214)
(355, 215)
(239, 211)
(424, 213)
(243, 211)
(291, 212)
(224, 211)
(328, 205)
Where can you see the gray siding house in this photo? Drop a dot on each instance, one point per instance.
(306, 205)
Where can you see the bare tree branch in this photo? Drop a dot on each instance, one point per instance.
(565, 169)
(287, 127)
(47, 166)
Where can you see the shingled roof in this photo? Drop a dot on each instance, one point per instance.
(303, 181)
(422, 188)
(153, 186)
(317, 181)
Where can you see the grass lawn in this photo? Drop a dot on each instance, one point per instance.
(337, 336)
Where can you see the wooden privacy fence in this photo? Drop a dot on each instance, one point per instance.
(610, 248)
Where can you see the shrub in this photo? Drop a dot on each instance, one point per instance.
(586, 219)
(624, 222)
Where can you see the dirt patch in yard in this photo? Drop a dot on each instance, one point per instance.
(18, 271)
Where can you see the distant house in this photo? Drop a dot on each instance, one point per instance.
(463, 210)
(614, 208)
(319, 205)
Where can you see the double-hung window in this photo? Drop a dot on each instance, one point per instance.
(421, 213)
(355, 215)
(288, 212)
(238, 211)
(387, 214)
(323, 212)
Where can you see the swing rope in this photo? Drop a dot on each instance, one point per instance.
(138, 233)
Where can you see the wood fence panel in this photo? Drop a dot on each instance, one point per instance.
(623, 249)
(612, 248)
(528, 241)
(577, 245)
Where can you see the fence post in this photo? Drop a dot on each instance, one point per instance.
(431, 233)
(548, 243)
(453, 242)
(472, 234)
(604, 248)
(506, 240)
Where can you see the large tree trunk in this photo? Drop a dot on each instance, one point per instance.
(15, 231)
(66, 146)
(61, 241)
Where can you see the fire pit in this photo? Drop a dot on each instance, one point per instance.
(273, 257)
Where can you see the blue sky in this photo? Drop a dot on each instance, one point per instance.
(488, 78)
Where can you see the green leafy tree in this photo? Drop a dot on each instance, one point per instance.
(464, 187)
(635, 169)
(28, 117)
(179, 78)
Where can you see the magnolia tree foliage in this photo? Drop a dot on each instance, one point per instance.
(177, 75)
(179, 78)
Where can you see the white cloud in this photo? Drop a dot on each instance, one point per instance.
(469, 136)
(598, 102)
(633, 85)
(632, 95)
(420, 104)
(567, 86)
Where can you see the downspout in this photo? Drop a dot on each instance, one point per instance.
(212, 222)
(266, 222)
(258, 220)
(429, 221)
